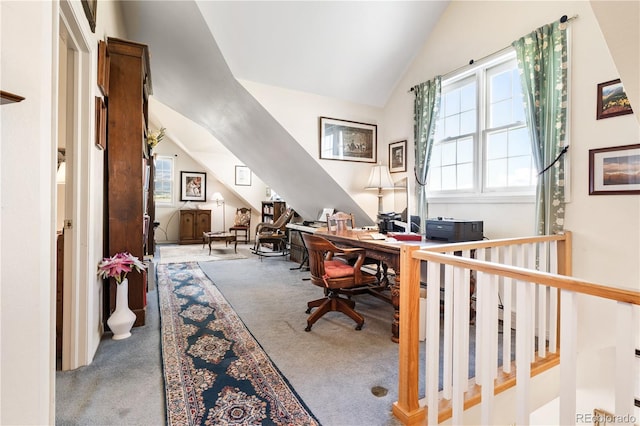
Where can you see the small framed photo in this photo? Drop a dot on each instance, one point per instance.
(398, 157)
(614, 170)
(193, 186)
(103, 67)
(101, 123)
(89, 7)
(243, 176)
(347, 140)
(612, 100)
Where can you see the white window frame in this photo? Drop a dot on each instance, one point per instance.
(479, 193)
(171, 182)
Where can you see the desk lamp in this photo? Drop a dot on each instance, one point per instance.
(219, 199)
(380, 179)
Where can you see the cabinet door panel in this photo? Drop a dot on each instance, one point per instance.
(203, 223)
(187, 227)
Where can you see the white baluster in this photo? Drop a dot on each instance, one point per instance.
(465, 287)
(460, 344)
(626, 330)
(524, 294)
(506, 313)
(553, 300)
(531, 264)
(447, 374)
(568, 356)
(432, 342)
(480, 255)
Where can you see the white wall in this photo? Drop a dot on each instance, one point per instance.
(169, 216)
(29, 33)
(606, 229)
(26, 234)
(300, 113)
(475, 29)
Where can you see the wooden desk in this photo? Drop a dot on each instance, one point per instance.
(386, 251)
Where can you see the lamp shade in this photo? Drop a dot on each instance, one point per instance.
(217, 197)
(61, 174)
(380, 178)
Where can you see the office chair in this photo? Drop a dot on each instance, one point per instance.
(336, 277)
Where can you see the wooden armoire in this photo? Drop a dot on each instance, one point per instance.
(129, 209)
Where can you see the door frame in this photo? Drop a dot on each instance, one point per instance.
(77, 350)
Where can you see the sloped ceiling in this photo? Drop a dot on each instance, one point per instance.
(284, 44)
(351, 50)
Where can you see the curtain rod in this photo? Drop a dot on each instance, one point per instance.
(563, 19)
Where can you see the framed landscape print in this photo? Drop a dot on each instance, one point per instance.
(398, 157)
(193, 186)
(614, 170)
(612, 100)
(347, 140)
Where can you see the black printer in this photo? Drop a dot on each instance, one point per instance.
(453, 230)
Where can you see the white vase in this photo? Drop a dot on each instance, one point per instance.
(122, 319)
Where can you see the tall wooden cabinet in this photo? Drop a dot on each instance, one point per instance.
(192, 224)
(128, 166)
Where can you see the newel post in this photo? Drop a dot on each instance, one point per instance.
(407, 409)
(564, 255)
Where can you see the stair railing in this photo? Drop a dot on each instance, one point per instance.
(533, 271)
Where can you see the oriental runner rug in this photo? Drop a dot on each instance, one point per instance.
(215, 372)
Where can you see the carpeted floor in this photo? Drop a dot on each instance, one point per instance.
(346, 377)
(215, 372)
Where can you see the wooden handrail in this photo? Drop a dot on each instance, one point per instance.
(527, 275)
(407, 408)
(472, 245)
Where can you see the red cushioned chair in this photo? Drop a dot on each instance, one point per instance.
(336, 277)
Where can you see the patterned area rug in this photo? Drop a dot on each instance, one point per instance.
(173, 253)
(215, 372)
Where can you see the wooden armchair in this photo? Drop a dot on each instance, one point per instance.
(340, 221)
(336, 277)
(242, 224)
(273, 233)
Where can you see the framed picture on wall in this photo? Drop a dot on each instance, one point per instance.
(347, 140)
(612, 100)
(614, 170)
(193, 186)
(101, 123)
(398, 157)
(243, 176)
(103, 67)
(89, 7)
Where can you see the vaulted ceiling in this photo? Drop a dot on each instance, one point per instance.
(200, 48)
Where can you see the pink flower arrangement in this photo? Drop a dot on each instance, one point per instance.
(119, 265)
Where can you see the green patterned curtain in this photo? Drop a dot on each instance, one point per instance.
(426, 109)
(542, 61)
